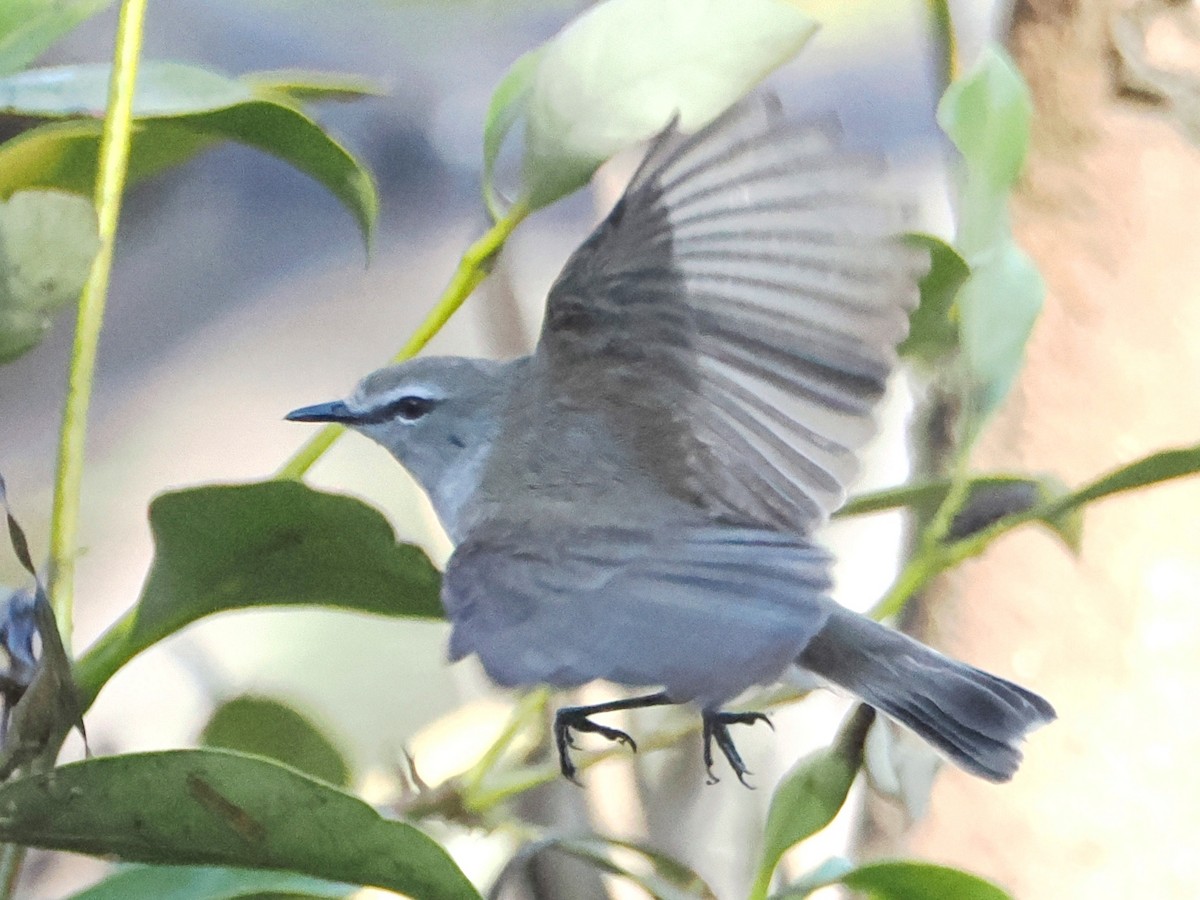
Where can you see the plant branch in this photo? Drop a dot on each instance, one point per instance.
(473, 268)
(942, 27)
(934, 558)
(110, 184)
(529, 708)
(112, 165)
(11, 858)
(928, 559)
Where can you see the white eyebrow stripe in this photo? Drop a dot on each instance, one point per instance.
(423, 390)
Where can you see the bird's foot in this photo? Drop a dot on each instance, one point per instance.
(571, 719)
(716, 728)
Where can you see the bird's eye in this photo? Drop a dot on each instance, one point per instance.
(412, 408)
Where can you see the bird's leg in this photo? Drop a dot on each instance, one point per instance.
(716, 728)
(576, 718)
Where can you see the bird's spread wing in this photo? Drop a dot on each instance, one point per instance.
(736, 314)
(704, 612)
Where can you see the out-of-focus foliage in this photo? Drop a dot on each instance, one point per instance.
(211, 883)
(271, 544)
(623, 70)
(179, 111)
(47, 242)
(988, 499)
(809, 796)
(900, 880)
(213, 807)
(269, 728)
(986, 114)
(933, 325)
(29, 27)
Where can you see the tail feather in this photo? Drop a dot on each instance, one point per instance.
(976, 719)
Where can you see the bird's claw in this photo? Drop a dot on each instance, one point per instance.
(716, 728)
(574, 719)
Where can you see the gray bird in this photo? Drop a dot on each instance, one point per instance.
(636, 500)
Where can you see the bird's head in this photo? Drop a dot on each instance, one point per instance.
(438, 416)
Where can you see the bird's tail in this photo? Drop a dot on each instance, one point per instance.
(976, 719)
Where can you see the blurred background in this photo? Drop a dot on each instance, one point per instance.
(241, 291)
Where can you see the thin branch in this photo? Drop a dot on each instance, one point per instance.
(110, 185)
(473, 268)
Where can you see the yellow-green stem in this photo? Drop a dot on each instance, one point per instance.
(531, 707)
(942, 25)
(931, 561)
(110, 184)
(762, 883)
(474, 266)
(957, 495)
(920, 569)
(931, 554)
(11, 857)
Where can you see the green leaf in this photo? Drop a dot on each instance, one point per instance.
(29, 27)
(919, 881)
(179, 110)
(212, 807)
(267, 727)
(1153, 469)
(62, 155)
(933, 329)
(898, 880)
(306, 86)
(508, 104)
(989, 498)
(163, 89)
(992, 499)
(943, 40)
(167, 89)
(209, 883)
(619, 72)
(286, 132)
(1066, 523)
(47, 243)
(987, 115)
(806, 801)
(998, 306)
(808, 797)
(922, 497)
(270, 544)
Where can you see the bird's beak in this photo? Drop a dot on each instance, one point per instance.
(337, 411)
